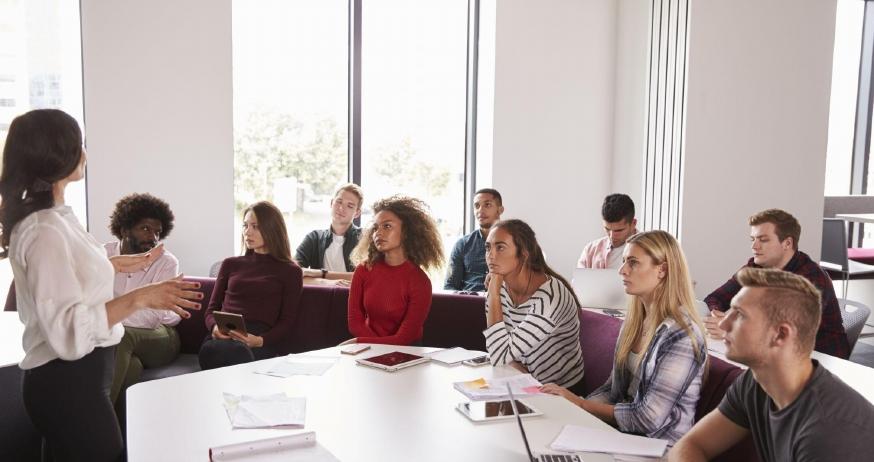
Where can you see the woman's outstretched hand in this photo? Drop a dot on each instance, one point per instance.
(138, 261)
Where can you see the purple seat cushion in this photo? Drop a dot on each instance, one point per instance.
(456, 320)
(192, 331)
(861, 255)
(321, 322)
(719, 377)
(598, 334)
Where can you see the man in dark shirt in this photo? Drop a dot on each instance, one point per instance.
(792, 406)
(468, 269)
(324, 253)
(774, 235)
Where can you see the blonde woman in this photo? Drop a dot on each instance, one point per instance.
(661, 355)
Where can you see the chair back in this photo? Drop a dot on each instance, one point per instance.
(214, 269)
(854, 315)
(834, 243)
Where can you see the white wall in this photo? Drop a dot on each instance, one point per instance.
(158, 115)
(158, 110)
(756, 125)
(629, 127)
(553, 118)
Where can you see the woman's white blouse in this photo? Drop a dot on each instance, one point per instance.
(62, 283)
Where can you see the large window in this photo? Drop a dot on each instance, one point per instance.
(40, 67)
(290, 108)
(413, 105)
(844, 92)
(334, 91)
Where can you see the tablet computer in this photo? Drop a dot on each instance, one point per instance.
(487, 411)
(394, 361)
(229, 321)
(476, 362)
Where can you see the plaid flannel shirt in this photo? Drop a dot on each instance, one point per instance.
(831, 337)
(671, 374)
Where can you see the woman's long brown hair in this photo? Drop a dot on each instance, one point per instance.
(273, 230)
(530, 252)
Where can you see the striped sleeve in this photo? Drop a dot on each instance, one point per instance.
(542, 334)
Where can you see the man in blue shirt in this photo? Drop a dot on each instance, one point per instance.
(468, 268)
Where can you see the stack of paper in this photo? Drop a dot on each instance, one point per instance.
(301, 448)
(298, 365)
(455, 355)
(495, 389)
(581, 439)
(247, 411)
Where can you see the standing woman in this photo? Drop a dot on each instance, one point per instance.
(532, 314)
(263, 285)
(63, 286)
(660, 355)
(390, 295)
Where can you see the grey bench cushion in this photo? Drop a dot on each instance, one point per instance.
(184, 364)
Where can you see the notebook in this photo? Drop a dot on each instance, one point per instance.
(583, 439)
(531, 456)
(599, 288)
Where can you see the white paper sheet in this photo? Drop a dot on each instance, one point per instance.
(245, 411)
(582, 439)
(301, 447)
(455, 355)
(521, 384)
(298, 365)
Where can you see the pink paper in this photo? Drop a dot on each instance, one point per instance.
(532, 390)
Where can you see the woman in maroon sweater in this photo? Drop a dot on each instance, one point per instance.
(390, 293)
(263, 285)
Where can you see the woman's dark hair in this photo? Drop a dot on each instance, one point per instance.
(271, 224)
(133, 208)
(528, 248)
(421, 239)
(43, 146)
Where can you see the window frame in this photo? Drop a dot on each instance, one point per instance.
(354, 107)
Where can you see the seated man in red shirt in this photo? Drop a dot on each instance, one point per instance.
(774, 235)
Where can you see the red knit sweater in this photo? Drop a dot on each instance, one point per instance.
(389, 304)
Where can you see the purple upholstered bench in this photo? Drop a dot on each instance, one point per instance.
(598, 335)
(454, 320)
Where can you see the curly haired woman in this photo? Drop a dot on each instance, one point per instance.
(390, 294)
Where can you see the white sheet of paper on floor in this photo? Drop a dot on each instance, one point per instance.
(302, 447)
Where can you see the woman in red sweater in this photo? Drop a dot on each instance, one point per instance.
(263, 285)
(390, 294)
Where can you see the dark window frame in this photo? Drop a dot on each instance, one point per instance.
(354, 106)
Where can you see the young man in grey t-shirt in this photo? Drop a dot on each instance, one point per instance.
(792, 406)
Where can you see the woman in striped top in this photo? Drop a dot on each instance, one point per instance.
(661, 356)
(531, 312)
